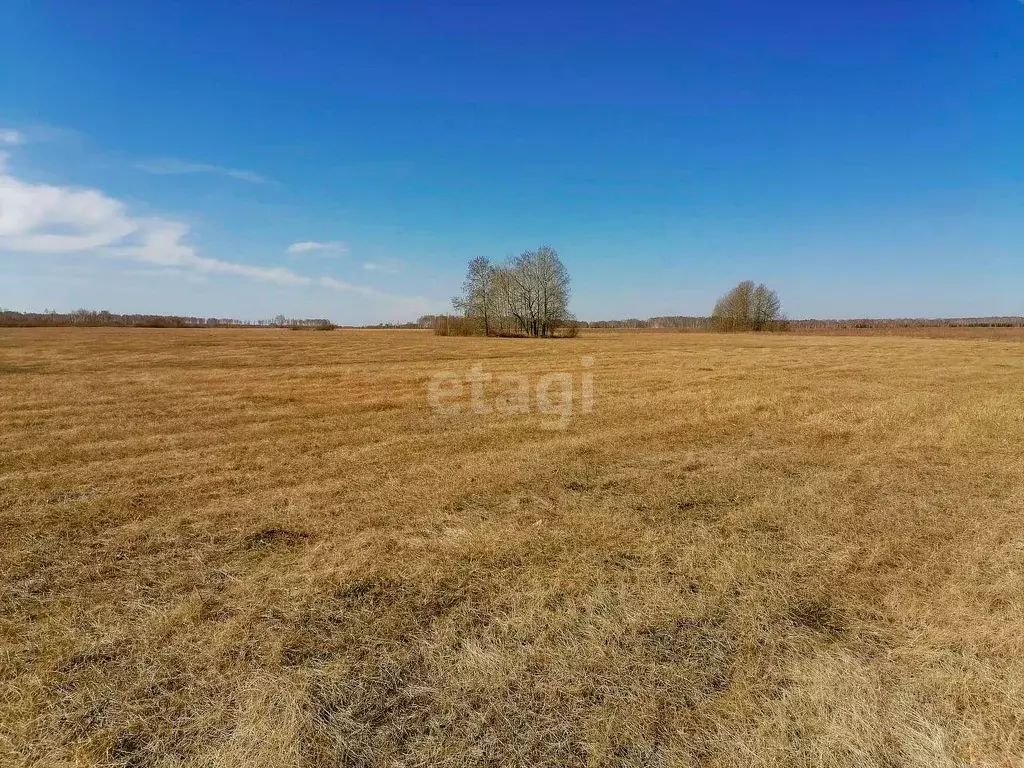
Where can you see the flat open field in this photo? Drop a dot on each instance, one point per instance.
(267, 548)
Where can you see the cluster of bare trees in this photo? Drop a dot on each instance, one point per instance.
(748, 307)
(528, 295)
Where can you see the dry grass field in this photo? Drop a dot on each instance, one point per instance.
(264, 548)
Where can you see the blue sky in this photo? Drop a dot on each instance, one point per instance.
(864, 159)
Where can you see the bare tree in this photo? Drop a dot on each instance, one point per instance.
(747, 307)
(765, 308)
(552, 285)
(522, 298)
(528, 295)
(477, 298)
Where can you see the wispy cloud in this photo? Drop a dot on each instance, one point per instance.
(334, 247)
(172, 167)
(343, 285)
(48, 219)
(39, 133)
(384, 266)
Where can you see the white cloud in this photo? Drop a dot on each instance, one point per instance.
(8, 136)
(160, 242)
(342, 285)
(171, 167)
(39, 218)
(48, 219)
(311, 246)
(386, 266)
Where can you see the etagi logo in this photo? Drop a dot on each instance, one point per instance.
(507, 394)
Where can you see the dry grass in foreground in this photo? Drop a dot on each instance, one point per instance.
(247, 548)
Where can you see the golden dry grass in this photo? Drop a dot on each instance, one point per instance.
(263, 548)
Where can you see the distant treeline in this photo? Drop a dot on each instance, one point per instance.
(399, 326)
(91, 318)
(683, 322)
(911, 322)
(100, 319)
